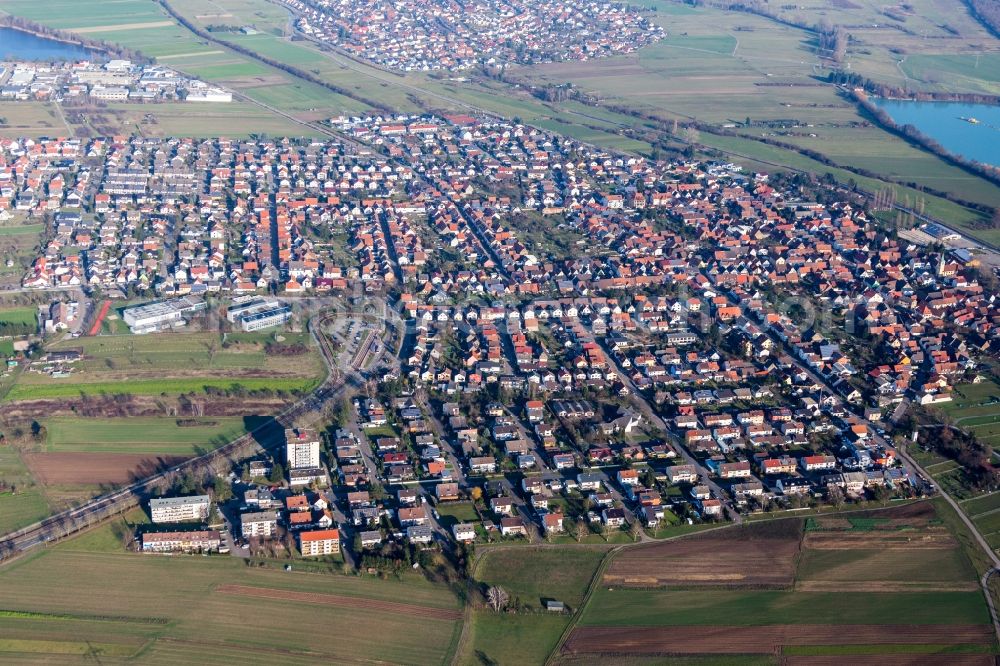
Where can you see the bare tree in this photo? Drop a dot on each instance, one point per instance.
(635, 529)
(580, 530)
(836, 497)
(497, 598)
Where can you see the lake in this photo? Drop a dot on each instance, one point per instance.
(18, 45)
(942, 121)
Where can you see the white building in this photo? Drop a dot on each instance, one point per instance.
(319, 542)
(259, 523)
(161, 314)
(302, 449)
(274, 316)
(179, 509)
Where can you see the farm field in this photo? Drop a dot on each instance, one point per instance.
(976, 408)
(21, 500)
(884, 581)
(166, 435)
(720, 67)
(758, 556)
(529, 575)
(30, 119)
(533, 574)
(213, 610)
(172, 363)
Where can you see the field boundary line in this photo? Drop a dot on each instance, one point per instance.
(599, 576)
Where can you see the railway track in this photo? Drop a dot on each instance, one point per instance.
(70, 521)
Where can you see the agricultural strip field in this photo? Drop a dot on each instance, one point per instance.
(882, 582)
(722, 67)
(93, 471)
(529, 575)
(976, 407)
(749, 556)
(183, 610)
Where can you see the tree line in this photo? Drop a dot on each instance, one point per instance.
(986, 12)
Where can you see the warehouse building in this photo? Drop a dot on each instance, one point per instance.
(161, 315)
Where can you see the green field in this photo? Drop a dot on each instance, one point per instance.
(157, 387)
(161, 435)
(529, 575)
(912, 567)
(172, 363)
(22, 229)
(511, 640)
(157, 610)
(621, 607)
(533, 574)
(457, 512)
(22, 315)
(976, 408)
(24, 503)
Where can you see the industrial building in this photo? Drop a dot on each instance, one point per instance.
(161, 315)
(257, 314)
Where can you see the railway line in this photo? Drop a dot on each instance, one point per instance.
(70, 521)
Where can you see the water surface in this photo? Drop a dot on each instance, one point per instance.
(943, 122)
(18, 45)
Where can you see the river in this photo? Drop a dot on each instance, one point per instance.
(19, 45)
(943, 122)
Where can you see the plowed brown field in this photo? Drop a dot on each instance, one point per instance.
(729, 557)
(764, 639)
(51, 469)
